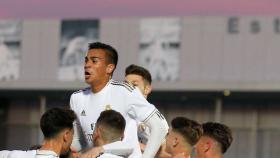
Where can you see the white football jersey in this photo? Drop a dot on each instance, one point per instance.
(107, 155)
(18, 154)
(119, 96)
(46, 154)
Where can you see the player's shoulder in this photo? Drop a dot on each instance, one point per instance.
(124, 85)
(22, 153)
(82, 91)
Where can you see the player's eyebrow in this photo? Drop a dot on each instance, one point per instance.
(92, 58)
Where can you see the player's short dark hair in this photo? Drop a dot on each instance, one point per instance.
(111, 53)
(189, 129)
(112, 121)
(220, 132)
(138, 70)
(55, 120)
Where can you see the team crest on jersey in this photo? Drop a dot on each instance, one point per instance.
(108, 107)
(83, 113)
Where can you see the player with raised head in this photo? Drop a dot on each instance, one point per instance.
(106, 93)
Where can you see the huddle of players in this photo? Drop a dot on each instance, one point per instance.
(210, 140)
(117, 137)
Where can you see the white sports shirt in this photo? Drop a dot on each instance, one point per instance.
(46, 154)
(108, 155)
(119, 96)
(17, 154)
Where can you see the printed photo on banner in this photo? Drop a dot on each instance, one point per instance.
(10, 53)
(160, 47)
(75, 36)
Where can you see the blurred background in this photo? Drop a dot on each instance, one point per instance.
(210, 61)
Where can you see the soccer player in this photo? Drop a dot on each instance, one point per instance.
(106, 93)
(215, 141)
(141, 78)
(182, 137)
(109, 128)
(57, 127)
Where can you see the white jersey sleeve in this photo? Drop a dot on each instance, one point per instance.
(107, 155)
(145, 112)
(159, 128)
(118, 148)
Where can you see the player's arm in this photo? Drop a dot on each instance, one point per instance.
(76, 143)
(119, 148)
(145, 112)
(159, 128)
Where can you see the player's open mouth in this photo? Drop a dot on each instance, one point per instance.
(87, 74)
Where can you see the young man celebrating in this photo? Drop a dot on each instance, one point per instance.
(140, 77)
(105, 93)
(215, 141)
(182, 137)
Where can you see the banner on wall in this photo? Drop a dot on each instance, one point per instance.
(10, 40)
(75, 36)
(160, 47)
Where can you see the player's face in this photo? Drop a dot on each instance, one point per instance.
(170, 138)
(200, 148)
(67, 139)
(95, 66)
(139, 82)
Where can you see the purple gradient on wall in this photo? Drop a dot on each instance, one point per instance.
(130, 8)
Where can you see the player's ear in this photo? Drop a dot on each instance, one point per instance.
(147, 89)
(110, 68)
(95, 134)
(175, 142)
(122, 137)
(66, 135)
(207, 146)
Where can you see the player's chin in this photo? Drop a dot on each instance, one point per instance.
(87, 80)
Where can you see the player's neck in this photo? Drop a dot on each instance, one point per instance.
(98, 86)
(52, 145)
(181, 153)
(214, 155)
